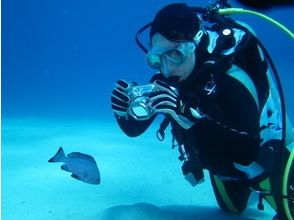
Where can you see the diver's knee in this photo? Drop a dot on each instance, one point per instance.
(231, 196)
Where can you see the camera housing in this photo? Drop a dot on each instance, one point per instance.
(140, 108)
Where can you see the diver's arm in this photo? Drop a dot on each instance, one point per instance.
(132, 127)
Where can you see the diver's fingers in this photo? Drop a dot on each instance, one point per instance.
(120, 113)
(119, 95)
(164, 104)
(117, 107)
(162, 86)
(118, 102)
(122, 85)
(162, 97)
(164, 111)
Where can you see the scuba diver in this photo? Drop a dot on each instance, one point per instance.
(215, 87)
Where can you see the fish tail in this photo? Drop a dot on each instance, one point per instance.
(58, 157)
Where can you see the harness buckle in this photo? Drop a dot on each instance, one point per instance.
(210, 87)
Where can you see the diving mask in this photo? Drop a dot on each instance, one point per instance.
(177, 55)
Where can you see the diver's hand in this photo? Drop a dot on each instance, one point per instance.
(192, 170)
(167, 101)
(119, 98)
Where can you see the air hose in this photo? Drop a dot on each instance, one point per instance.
(230, 11)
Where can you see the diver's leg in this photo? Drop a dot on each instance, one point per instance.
(232, 196)
(288, 188)
(278, 187)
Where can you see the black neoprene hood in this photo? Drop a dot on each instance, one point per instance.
(176, 22)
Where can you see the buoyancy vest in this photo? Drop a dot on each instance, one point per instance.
(230, 49)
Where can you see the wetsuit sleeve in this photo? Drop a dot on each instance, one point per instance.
(133, 128)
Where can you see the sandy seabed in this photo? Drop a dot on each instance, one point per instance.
(140, 177)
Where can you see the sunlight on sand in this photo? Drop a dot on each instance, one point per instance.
(140, 177)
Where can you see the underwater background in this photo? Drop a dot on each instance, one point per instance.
(60, 60)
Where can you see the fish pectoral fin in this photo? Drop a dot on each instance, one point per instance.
(75, 176)
(64, 167)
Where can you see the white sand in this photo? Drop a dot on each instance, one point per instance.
(140, 177)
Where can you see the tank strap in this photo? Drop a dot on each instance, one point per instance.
(240, 75)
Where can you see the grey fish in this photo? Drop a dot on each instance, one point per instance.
(83, 167)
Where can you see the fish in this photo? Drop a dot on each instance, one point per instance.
(82, 166)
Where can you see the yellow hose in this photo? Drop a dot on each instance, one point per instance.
(286, 185)
(229, 11)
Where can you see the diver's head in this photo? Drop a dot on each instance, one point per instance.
(172, 58)
(172, 41)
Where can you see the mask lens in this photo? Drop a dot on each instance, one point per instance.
(175, 56)
(154, 60)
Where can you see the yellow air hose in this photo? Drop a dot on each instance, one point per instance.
(229, 11)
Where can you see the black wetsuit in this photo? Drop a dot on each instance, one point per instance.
(233, 133)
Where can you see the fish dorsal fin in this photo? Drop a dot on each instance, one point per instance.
(59, 156)
(80, 155)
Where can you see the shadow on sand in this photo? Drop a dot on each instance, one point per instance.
(146, 211)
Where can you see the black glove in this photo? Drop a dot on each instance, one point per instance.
(119, 98)
(167, 101)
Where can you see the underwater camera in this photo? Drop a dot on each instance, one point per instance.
(140, 107)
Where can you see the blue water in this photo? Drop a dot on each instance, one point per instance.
(61, 58)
